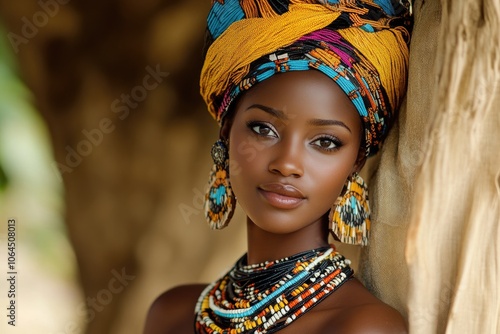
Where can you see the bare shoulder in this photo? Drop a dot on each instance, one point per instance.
(173, 311)
(365, 313)
(352, 309)
(375, 319)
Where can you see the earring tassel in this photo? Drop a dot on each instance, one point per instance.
(350, 219)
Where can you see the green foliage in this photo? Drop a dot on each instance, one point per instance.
(6, 86)
(29, 187)
(3, 179)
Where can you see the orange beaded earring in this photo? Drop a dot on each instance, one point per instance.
(220, 201)
(350, 216)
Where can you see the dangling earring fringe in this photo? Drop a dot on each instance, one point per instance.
(220, 201)
(350, 216)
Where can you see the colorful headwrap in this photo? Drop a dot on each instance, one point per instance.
(362, 45)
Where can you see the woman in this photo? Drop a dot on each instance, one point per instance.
(303, 92)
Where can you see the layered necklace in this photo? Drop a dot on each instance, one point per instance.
(265, 297)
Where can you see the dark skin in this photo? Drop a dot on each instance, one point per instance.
(300, 130)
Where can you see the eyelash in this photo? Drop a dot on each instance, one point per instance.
(252, 124)
(334, 140)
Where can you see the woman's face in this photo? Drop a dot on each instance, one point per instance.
(294, 140)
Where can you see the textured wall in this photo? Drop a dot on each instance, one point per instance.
(438, 184)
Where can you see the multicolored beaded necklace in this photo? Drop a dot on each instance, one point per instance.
(264, 298)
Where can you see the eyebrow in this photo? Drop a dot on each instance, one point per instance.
(315, 122)
(327, 122)
(274, 112)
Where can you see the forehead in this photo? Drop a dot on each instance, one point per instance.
(308, 94)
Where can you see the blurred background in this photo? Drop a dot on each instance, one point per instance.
(104, 156)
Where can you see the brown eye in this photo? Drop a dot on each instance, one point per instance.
(327, 143)
(262, 130)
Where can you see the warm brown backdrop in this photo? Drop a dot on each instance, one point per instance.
(123, 197)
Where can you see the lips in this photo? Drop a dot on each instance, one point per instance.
(282, 196)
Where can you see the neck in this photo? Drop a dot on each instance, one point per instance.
(266, 246)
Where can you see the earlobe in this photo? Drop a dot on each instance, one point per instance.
(225, 129)
(360, 161)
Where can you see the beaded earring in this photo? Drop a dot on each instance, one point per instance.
(220, 201)
(350, 215)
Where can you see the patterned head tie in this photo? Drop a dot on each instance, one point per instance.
(362, 45)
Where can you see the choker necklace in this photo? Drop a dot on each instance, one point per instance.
(264, 298)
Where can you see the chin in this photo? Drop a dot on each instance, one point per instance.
(279, 223)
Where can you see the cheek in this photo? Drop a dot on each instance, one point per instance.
(330, 185)
(246, 148)
(245, 162)
(327, 178)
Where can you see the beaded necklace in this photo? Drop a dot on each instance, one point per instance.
(264, 298)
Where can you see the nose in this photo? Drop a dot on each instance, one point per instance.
(287, 159)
